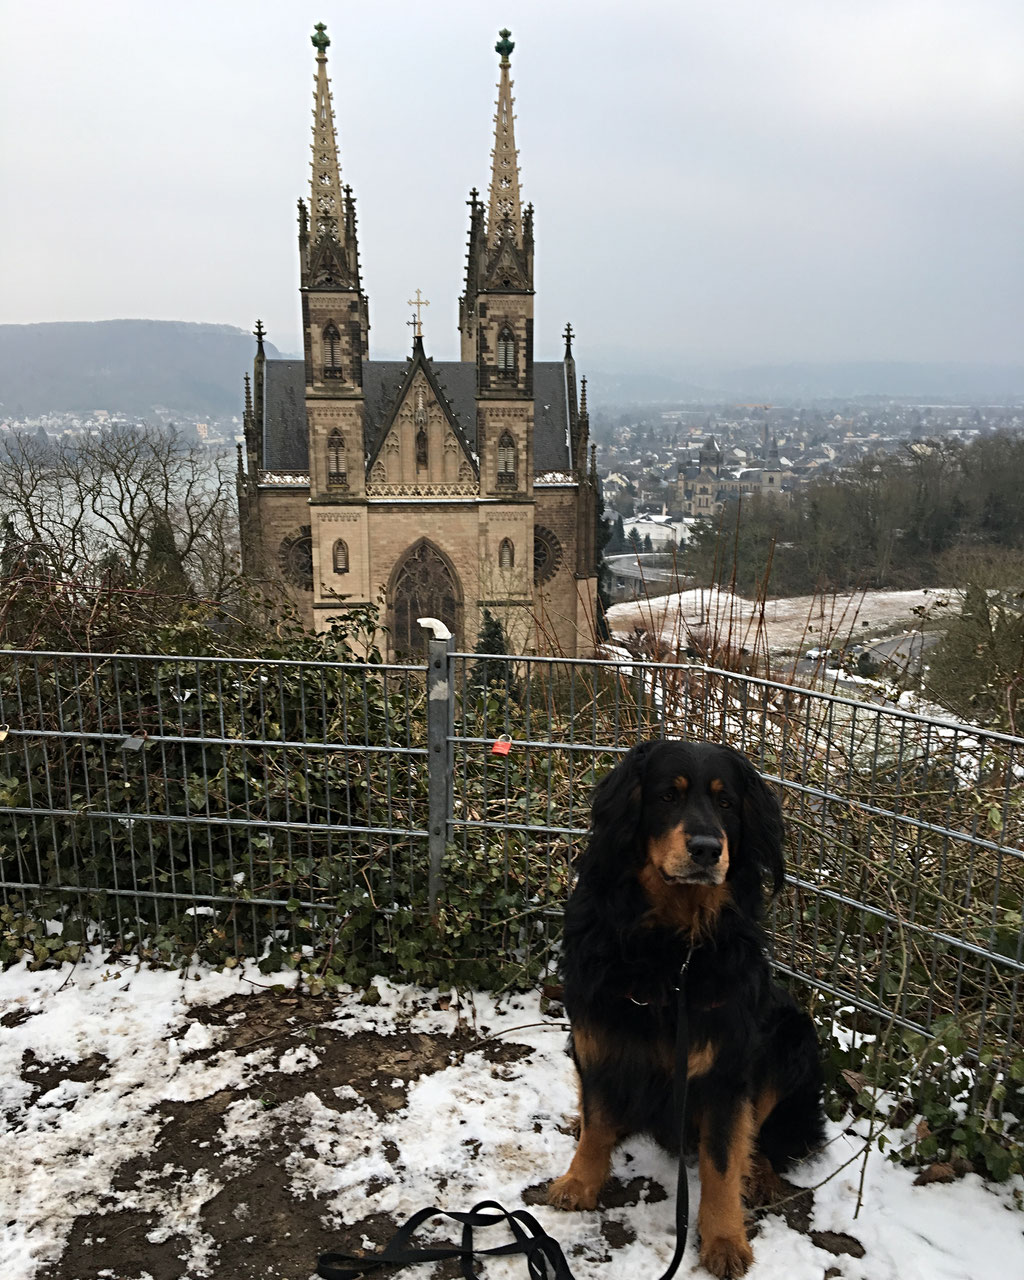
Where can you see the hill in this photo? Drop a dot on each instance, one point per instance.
(789, 383)
(125, 366)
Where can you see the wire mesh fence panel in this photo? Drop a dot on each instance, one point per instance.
(531, 738)
(211, 806)
(219, 807)
(905, 834)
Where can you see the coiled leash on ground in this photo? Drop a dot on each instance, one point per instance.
(544, 1257)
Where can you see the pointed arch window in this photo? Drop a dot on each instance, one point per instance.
(507, 352)
(337, 464)
(340, 556)
(421, 448)
(332, 351)
(506, 554)
(507, 459)
(424, 584)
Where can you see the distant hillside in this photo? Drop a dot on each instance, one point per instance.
(129, 366)
(941, 383)
(125, 366)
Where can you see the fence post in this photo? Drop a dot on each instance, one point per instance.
(440, 730)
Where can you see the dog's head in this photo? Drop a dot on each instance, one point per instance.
(691, 814)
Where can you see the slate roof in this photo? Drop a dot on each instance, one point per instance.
(286, 437)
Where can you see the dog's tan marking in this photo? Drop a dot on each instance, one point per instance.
(578, 1187)
(588, 1047)
(724, 1249)
(682, 783)
(700, 1061)
(690, 908)
(764, 1105)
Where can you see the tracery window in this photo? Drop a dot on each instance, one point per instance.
(341, 556)
(547, 555)
(332, 351)
(423, 586)
(506, 554)
(295, 557)
(506, 459)
(506, 351)
(337, 465)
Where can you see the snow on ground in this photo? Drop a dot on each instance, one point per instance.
(791, 624)
(479, 1124)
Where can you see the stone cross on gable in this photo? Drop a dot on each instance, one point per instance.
(418, 303)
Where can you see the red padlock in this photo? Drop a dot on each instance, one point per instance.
(502, 746)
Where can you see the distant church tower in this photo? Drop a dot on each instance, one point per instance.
(448, 487)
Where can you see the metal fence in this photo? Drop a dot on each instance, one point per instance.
(271, 807)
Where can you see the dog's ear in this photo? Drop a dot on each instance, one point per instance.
(618, 798)
(763, 831)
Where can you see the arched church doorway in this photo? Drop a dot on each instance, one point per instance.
(423, 585)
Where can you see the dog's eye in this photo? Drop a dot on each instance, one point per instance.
(724, 802)
(670, 797)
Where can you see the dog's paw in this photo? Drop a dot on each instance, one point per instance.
(726, 1256)
(570, 1192)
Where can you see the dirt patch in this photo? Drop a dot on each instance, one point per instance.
(221, 1192)
(255, 1224)
(46, 1075)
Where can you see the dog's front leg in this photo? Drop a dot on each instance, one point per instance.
(726, 1141)
(588, 1172)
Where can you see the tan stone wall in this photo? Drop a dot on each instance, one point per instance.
(324, 417)
(493, 420)
(350, 525)
(343, 310)
(395, 528)
(556, 601)
(501, 310)
(282, 513)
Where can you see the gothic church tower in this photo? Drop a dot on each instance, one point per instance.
(441, 488)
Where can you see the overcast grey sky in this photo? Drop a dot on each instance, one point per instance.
(730, 181)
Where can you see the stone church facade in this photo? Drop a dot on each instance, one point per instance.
(441, 488)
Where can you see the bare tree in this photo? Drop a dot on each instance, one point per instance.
(91, 499)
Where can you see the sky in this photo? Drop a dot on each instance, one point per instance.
(734, 182)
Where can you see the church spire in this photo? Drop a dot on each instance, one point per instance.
(505, 215)
(326, 205)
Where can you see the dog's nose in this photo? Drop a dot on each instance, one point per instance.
(705, 850)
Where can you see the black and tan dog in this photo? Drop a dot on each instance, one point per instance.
(686, 839)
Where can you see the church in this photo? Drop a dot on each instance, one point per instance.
(437, 488)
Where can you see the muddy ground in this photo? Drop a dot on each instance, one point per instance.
(259, 1225)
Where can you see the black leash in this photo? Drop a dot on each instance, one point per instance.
(530, 1239)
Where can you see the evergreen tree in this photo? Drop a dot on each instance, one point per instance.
(648, 544)
(490, 641)
(163, 567)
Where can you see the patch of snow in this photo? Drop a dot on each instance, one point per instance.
(788, 622)
(474, 1129)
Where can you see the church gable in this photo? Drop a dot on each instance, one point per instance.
(422, 449)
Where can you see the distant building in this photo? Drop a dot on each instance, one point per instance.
(450, 486)
(703, 488)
